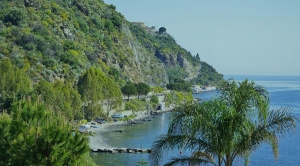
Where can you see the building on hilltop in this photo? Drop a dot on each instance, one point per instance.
(146, 28)
(150, 29)
(140, 24)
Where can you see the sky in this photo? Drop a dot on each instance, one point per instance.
(257, 37)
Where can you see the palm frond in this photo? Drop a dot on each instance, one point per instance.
(163, 144)
(281, 121)
(234, 123)
(278, 122)
(187, 160)
(170, 142)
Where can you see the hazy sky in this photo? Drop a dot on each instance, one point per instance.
(257, 37)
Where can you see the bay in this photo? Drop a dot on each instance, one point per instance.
(284, 91)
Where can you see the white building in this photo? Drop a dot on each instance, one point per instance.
(196, 89)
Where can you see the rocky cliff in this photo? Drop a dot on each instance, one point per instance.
(58, 39)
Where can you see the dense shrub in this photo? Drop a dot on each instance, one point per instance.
(14, 16)
(42, 44)
(135, 105)
(68, 58)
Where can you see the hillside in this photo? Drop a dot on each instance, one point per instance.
(60, 40)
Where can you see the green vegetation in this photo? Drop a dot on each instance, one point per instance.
(42, 124)
(179, 85)
(142, 88)
(156, 89)
(14, 83)
(112, 95)
(232, 125)
(61, 97)
(176, 73)
(176, 97)
(94, 87)
(34, 135)
(136, 105)
(138, 89)
(89, 87)
(162, 30)
(129, 90)
(60, 39)
(70, 58)
(142, 104)
(154, 102)
(208, 76)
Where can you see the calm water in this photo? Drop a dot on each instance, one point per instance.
(283, 91)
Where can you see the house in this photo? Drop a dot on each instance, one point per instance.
(140, 24)
(196, 89)
(146, 28)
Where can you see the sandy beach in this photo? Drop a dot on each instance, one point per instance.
(98, 141)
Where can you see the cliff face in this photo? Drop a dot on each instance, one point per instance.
(178, 60)
(61, 39)
(145, 68)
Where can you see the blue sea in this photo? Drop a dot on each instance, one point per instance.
(284, 91)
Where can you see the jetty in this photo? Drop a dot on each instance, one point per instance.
(121, 150)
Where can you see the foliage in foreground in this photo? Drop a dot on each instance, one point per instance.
(33, 135)
(234, 124)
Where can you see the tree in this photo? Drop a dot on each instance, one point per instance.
(131, 105)
(157, 89)
(198, 57)
(142, 89)
(136, 105)
(179, 86)
(50, 96)
(90, 87)
(233, 124)
(129, 90)
(162, 30)
(14, 16)
(175, 97)
(112, 95)
(61, 97)
(13, 83)
(114, 73)
(34, 135)
(154, 101)
(73, 102)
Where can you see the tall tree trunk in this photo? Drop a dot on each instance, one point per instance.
(228, 161)
(107, 110)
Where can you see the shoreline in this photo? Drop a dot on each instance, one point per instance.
(98, 141)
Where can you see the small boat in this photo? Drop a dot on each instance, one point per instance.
(117, 116)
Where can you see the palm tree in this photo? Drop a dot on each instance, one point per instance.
(233, 124)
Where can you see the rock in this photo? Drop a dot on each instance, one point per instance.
(50, 78)
(68, 34)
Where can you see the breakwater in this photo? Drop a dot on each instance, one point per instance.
(121, 150)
